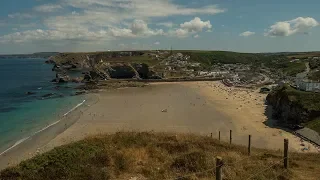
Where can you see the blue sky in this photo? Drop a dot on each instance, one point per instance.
(28, 26)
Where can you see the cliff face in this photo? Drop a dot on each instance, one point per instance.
(101, 66)
(293, 107)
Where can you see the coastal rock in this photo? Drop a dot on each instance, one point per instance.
(287, 109)
(61, 78)
(121, 71)
(154, 75)
(64, 66)
(80, 93)
(142, 69)
(56, 68)
(30, 93)
(93, 76)
(49, 61)
(76, 80)
(48, 95)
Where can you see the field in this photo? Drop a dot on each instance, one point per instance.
(160, 156)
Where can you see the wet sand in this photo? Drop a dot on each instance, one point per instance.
(189, 107)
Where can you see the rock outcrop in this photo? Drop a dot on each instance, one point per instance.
(61, 78)
(121, 71)
(291, 106)
(142, 69)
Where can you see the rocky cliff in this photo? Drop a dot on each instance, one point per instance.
(291, 106)
(101, 66)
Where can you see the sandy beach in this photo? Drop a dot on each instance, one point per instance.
(189, 107)
(195, 107)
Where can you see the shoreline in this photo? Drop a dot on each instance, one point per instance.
(31, 144)
(178, 107)
(39, 131)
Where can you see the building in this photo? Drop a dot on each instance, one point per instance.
(306, 85)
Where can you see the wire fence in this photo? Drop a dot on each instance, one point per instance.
(267, 168)
(211, 172)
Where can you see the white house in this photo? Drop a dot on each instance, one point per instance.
(306, 85)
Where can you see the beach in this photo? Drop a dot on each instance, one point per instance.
(189, 107)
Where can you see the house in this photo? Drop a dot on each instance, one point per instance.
(306, 85)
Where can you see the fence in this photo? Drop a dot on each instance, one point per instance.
(217, 171)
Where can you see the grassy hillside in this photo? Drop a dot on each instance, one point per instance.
(314, 124)
(160, 156)
(315, 76)
(105, 56)
(308, 100)
(224, 57)
(206, 58)
(274, 62)
(297, 107)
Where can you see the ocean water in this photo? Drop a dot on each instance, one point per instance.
(22, 115)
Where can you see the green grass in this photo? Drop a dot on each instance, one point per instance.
(293, 68)
(314, 125)
(308, 100)
(274, 62)
(159, 156)
(315, 76)
(213, 57)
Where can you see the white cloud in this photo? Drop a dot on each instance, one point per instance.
(287, 28)
(138, 28)
(166, 24)
(157, 43)
(48, 8)
(180, 33)
(247, 33)
(20, 15)
(138, 9)
(196, 36)
(191, 27)
(52, 35)
(118, 32)
(101, 20)
(75, 13)
(196, 25)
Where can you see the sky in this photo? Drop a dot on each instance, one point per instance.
(28, 26)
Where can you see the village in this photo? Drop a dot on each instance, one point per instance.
(175, 65)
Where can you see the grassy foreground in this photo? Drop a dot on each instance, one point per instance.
(160, 156)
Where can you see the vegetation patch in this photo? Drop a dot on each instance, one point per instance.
(159, 156)
(314, 125)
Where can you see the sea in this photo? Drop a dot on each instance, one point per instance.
(29, 101)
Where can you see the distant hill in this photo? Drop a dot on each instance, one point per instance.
(34, 55)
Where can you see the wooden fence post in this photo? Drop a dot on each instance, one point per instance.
(219, 168)
(230, 136)
(219, 136)
(286, 157)
(249, 145)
